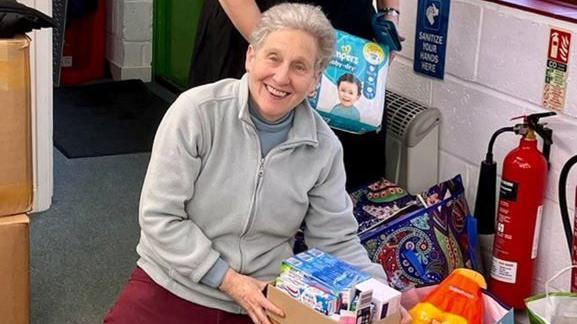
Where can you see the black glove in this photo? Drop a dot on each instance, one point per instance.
(386, 31)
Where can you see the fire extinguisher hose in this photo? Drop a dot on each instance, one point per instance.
(485, 202)
(489, 155)
(563, 200)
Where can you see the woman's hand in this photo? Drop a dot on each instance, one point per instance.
(247, 292)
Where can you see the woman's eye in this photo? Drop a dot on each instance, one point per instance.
(300, 68)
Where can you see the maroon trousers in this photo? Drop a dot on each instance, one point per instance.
(143, 301)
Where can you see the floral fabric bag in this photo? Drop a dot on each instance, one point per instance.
(432, 234)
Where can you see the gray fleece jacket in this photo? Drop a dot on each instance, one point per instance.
(208, 194)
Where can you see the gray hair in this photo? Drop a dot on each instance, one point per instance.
(307, 18)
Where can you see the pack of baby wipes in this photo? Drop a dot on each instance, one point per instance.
(350, 95)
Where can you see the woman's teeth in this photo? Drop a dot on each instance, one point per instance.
(275, 92)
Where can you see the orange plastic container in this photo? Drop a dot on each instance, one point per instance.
(457, 300)
(15, 129)
(84, 50)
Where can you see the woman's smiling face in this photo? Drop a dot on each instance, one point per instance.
(281, 72)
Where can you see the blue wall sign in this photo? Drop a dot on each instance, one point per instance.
(431, 37)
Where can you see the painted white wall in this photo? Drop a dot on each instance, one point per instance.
(495, 70)
(41, 93)
(129, 39)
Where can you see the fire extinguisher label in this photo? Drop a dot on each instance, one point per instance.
(537, 232)
(508, 190)
(505, 271)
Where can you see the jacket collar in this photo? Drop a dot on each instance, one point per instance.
(304, 129)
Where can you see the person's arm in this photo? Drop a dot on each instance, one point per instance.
(166, 226)
(394, 4)
(175, 163)
(244, 14)
(388, 4)
(330, 225)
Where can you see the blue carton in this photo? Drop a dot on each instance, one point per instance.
(333, 274)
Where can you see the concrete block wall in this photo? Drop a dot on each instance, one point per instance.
(129, 39)
(495, 70)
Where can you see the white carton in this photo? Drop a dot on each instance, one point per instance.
(387, 300)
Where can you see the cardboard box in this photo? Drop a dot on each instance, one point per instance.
(297, 313)
(15, 128)
(14, 270)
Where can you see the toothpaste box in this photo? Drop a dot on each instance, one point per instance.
(351, 93)
(308, 291)
(319, 280)
(334, 274)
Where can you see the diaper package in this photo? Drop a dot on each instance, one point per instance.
(351, 93)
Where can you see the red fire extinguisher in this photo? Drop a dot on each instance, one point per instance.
(519, 214)
(571, 240)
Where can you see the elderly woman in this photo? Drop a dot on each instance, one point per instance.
(224, 26)
(236, 168)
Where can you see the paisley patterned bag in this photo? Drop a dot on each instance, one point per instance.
(432, 235)
(380, 202)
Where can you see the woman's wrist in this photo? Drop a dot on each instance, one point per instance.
(390, 11)
(227, 280)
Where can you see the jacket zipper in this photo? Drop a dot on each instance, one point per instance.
(259, 176)
(247, 226)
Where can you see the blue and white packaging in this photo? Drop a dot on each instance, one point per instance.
(334, 274)
(351, 93)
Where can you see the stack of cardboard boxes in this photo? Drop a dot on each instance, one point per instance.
(15, 180)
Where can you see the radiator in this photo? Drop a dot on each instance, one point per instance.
(412, 143)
